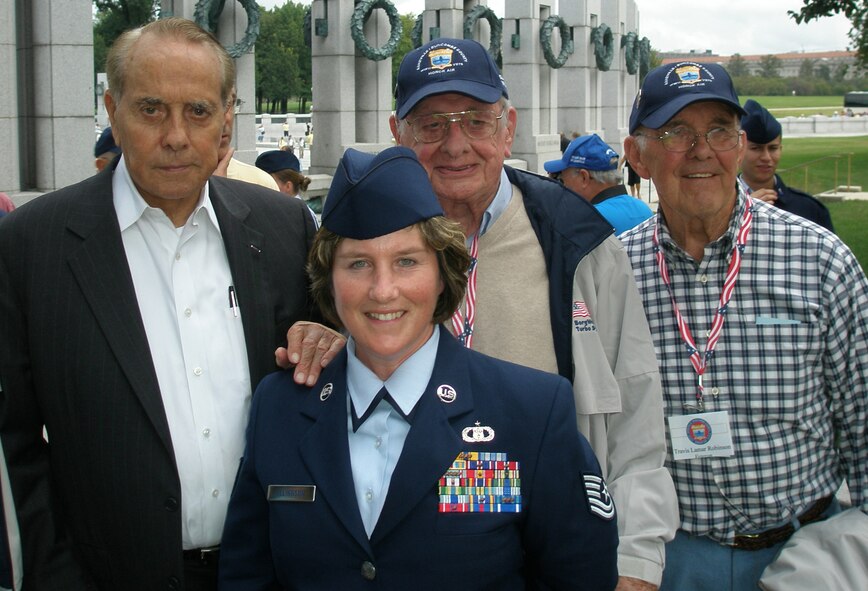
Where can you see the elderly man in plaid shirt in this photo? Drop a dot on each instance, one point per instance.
(760, 325)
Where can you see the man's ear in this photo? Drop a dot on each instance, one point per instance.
(111, 108)
(511, 123)
(634, 156)
(393, 125)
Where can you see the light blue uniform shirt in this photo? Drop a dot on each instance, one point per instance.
(377, 445)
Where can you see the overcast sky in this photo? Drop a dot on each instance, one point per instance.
(736, 26)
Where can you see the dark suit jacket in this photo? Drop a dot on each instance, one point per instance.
(102, 502)
(297, 438)
(803, 204)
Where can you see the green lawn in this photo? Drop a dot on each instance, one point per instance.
(851, 219)
(794, 106)
(819, 152)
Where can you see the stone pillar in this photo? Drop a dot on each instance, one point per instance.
(531, 84)
(11, 112)
(373, 86)
(629, 83)
(352, 95)
(574, 99)
(51, 133)
(612, 88)
(444, 18)
(334, 83)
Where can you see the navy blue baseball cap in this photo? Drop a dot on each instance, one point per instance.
(759, 125)
(589, 152)
(374, 195)
(669, 88)
(277, 160)
(105, 143)
(447, 65)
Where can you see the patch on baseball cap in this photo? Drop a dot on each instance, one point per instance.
(669, 88)
(447, 65)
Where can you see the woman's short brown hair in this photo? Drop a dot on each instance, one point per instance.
(444, 236)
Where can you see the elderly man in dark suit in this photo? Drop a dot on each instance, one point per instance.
(138, 311)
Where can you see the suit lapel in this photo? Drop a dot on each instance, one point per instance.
(244, 247)
(325, 450)
(432, 443)
(100, 267)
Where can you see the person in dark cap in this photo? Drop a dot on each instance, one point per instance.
(105, 150)
(552, 287)
(285, 168)
(758, 168)
(589, 167)
(760, 324)
(366, 481)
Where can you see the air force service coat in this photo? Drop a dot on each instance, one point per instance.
(565, 536)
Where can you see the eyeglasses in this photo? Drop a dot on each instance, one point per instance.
(682, 139)
(477, 125)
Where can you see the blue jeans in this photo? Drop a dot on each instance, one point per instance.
(698, 563)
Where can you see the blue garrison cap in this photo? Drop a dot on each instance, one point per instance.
(669, 88)
(589, 152)
(760, 126)
(447, 65)
(277, 160)
(374, 195)
(105, 143)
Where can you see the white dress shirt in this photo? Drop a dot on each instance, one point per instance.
(182, 280)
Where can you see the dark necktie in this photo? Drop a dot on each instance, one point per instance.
(383, 394)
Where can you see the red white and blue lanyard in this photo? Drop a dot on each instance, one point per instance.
(700, 362)
(462, 324)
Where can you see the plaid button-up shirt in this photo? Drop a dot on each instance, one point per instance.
(791, 368)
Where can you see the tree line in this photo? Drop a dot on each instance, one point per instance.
(815, 78)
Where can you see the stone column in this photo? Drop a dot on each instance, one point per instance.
(52, 133)
(11, 112)
(334, 83)
(574, 98)
(444, 18)
(629, 83)
(352, 97)
(612, 88)
(531, 84)
(373, 87)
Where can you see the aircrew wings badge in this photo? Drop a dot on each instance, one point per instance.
(599, 501)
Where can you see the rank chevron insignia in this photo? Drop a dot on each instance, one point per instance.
(599, 501)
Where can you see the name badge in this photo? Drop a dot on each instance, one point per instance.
(286, 493)
(701, 435)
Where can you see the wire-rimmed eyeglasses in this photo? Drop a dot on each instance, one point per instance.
(477, 125)
(682, 139)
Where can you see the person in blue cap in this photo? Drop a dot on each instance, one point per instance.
(416, 463)
(589, 167)
(759, 166)
(760, 325)
(105, 150)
